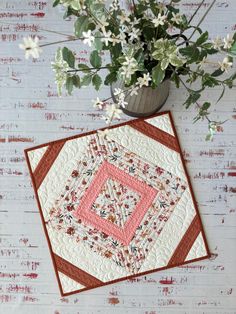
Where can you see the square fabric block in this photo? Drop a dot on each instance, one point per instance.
(116, 204)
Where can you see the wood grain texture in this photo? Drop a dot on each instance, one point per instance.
(31, 113)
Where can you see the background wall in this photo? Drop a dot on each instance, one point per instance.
(31, 113)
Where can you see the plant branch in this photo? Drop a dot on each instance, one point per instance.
(202, 19)
(89, 69)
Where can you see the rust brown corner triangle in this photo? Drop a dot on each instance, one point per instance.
(76, 273)
(186, 242)
(157, 134)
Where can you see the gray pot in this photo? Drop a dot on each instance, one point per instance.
(147, 101)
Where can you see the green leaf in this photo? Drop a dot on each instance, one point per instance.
(86, 80)
(175, 78)
(84, 67)
(97, 81)
(217, 72)
(95, 59)
(69, 57)
(209, 81)
(175, 61)
(203, 38)
(76, 80)
(81, 25)
(157, 74)
(55, 3)
(110, 78)
(206, 105)
(192, 98)
(69, 84)
(98, 44)
(209, 137)
(164, 63)
(233, 49)
(191, 52)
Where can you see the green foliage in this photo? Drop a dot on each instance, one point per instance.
(95, 59)
(97, 81)
(157, 74)
(192, 98)
(141, 45)
(81, 25)
(69, 57)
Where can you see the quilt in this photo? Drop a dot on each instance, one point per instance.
(116, 203)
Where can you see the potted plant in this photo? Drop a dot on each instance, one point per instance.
(147, 45)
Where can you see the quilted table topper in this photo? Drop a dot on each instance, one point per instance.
(116, 204)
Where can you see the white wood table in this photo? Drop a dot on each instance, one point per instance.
(31, 113)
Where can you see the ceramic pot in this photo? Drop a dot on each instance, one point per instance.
(147, 101)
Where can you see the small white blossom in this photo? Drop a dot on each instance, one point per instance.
(217, 43)
(203, 62)
(103, 133)
(159, 20)
(134, 34)
(228, 41)
(106, 36)
(114, 6)
(134, 90)
(117, 91)
(103, 21)
(88, 38)
(31, 47)
(123, 17)
(176, 18)
(128, 67)
(225, 65)
(115, 40)
(144, 81)
(112, 112)
(97, 103)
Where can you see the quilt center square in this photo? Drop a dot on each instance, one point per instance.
(109, 176)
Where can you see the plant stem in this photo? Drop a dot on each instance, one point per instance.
(81, 70)
(188, 89)
(196, 11)
(61, 41)
(198, 8)
(202, 19)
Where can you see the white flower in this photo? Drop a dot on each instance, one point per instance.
(120, 97)
(134, 34)
(115, 39)
(112, 112)
(31, 47)
(217, 43)
(103, 21)
(122, 35)
(106, 36)
(159, 20)
(225, 64)
(134, 90)
(97, 103)
(176, 18)
(128, 68)
(123, 17)
(88, 38)
(103, 133)
(203, 62)
(144, 81)
(228, 41)
(117, 91)
(114, 6)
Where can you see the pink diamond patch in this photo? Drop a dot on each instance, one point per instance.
(105, 172)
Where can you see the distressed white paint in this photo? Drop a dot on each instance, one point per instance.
(205, 287)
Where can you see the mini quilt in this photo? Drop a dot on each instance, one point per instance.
(116, 203)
